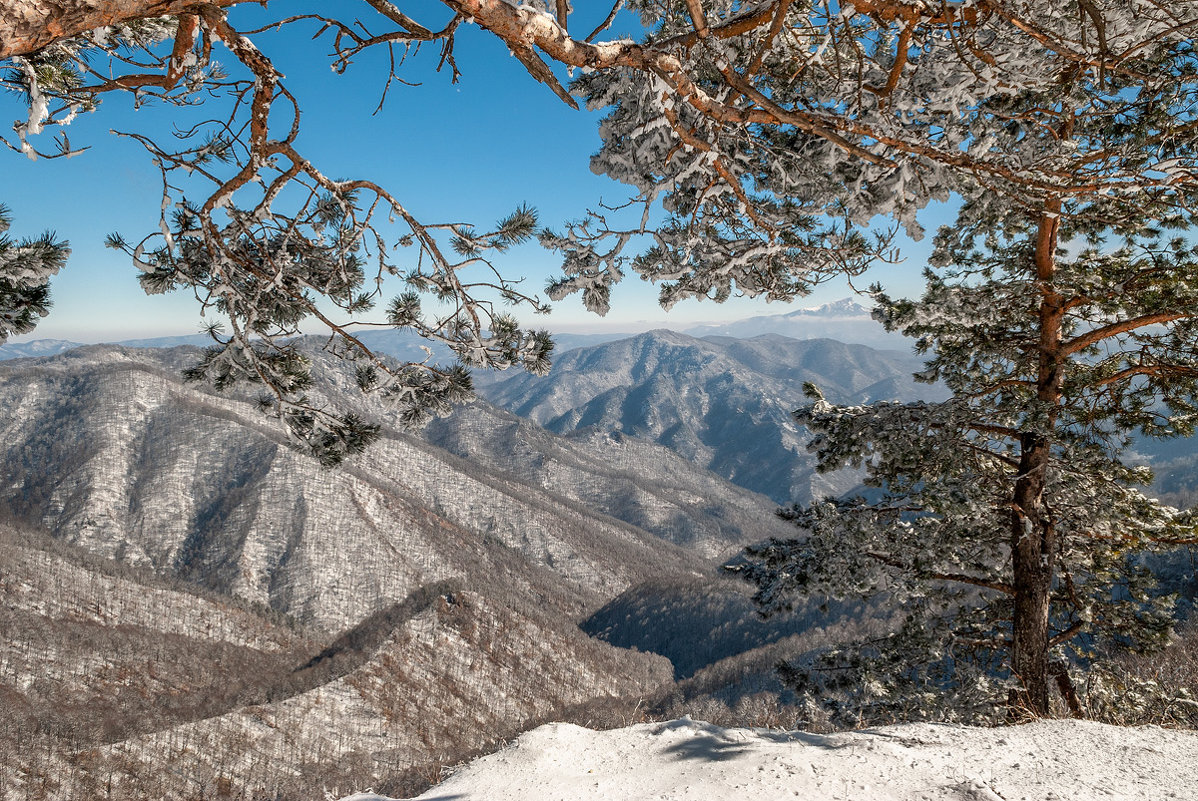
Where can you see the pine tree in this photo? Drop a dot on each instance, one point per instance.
(1061, 321)
(25, 271)
(1005, 523)
(965, 489)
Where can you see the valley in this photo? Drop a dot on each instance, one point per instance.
(193, 609)
(204, 591)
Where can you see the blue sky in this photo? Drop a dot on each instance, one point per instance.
(466, 152)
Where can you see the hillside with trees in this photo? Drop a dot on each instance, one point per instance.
(181, 591)
(129, 685)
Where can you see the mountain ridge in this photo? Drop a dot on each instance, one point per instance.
(86, 479)
(722, 402)
(117, 457)
(846, 316)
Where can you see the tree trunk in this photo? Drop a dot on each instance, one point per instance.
(1032, 557)
(27, 26)
(1033, 533)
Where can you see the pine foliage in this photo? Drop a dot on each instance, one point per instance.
(784, 131)
(25, 270)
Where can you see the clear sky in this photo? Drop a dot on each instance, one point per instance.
(466, 152)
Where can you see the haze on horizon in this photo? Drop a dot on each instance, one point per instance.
(450, 152)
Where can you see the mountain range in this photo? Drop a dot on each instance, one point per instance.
(720, 402)
(107, 449)
(843, 320)
(192, 608)
(418, 603)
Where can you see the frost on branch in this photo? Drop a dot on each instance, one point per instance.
(60, 81)
(267, 243)
(25, 270)
(745, 211)
(756, 137)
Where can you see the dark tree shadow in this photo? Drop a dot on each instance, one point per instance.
(713, 744)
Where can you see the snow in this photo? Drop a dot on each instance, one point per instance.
(1051, 760)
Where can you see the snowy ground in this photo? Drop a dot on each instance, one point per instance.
(1045, 761)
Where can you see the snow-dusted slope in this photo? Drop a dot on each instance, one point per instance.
(453, 678)
(111, 451)
(634, 480)
(117, 684)
(1045, 761)
(36, 347)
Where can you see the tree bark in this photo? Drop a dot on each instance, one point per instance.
(1032, 541)
(1033, 533)
(27, 26)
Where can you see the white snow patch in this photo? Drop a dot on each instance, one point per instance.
(1048, 760)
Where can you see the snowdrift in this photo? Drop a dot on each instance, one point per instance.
(1045, 761)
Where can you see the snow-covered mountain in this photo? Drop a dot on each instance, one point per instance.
(118, 684)
(410, 607)
(722, 403)
(109, 450)
(35, 347)
(843, 320)
(632, 479)
(192, 609)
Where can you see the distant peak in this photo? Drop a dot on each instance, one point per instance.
(845, 307)
(665, 334)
